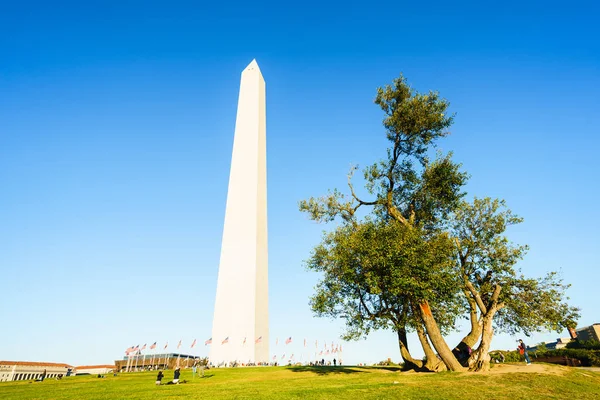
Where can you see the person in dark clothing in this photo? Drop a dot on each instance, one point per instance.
(176, 375)
(523, 351)
(159, 377)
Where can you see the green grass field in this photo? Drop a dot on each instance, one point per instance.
(358, 383)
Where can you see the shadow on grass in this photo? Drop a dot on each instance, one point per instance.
(327, 370)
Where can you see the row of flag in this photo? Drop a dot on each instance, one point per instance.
(137, 349)
(133, 350)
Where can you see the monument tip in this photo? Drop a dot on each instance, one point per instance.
(253, 65)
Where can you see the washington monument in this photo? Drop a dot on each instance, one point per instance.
(240, 330)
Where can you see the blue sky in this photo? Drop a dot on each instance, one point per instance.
(116, 130)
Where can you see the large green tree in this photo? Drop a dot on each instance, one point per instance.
(414, 264)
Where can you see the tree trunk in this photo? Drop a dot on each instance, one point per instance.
(476, 325)
(481, 356)
(440, 345)
(433, 364)
(409, 362)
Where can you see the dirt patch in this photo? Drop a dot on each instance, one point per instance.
(523, 368)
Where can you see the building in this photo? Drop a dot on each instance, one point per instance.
(26, 370)
(240, 330)
(94, 369)
(560, 343)
(154, 361)
(588, 333)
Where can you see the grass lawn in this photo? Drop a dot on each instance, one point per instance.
(540, 381)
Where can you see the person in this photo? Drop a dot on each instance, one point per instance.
(159, 377)
(176, 375)
(523, 351)
(334, 362)
(194, 370)
(42, 376)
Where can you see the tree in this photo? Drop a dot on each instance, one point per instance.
(497, 296)
(423, 257)
(375, 271)
(410, 189)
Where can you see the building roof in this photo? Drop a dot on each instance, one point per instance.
(95, 366)
(36, 364)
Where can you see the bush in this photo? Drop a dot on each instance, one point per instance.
(588, 358)
(583, 344)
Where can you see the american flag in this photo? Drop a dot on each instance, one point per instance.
(274, 357)
(226, 340)
(179, 344)
(209, 341)
(244, 342)
(193, 344)
(130, 350)
(321, 353)
(143, 347)
(292, 356)
(283, 356)
(258, 340)
(153, 346)
(288, 340)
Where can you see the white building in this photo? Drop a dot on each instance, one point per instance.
(26, 370)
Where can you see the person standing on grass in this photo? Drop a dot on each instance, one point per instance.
(523, 351)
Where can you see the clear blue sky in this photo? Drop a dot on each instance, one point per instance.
(116, 130)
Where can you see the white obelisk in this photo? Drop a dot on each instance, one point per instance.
(240, 329)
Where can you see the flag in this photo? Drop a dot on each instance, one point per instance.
(179, 344)
(153, 346)
(283, 356)
(193, 344)
(327, 352)
(244, 342)
(226, 340)
(129, 350)
(258, 340)
(292, 356)
(144, 347)
(276, 341)
(304, 342)
(209, 341)
(288, 340)
(274, 357)
(166, 345)
(321, 353)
